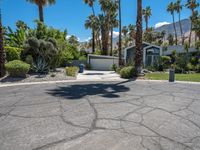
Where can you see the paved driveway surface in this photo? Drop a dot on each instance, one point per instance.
(97, 116)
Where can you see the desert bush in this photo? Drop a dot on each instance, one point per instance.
(114, 67)
(29, 60)
(82, 58)
(12, 53)
(198, 68)
(98, 52)
(71, 71)
(17, 68)
(43, 52)
(127, 72)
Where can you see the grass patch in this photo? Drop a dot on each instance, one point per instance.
(178, 77)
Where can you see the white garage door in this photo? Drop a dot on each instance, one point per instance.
(102, 64)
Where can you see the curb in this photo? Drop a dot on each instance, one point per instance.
(94, 80)
(61, 81)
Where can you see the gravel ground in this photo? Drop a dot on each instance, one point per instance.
(59, 74)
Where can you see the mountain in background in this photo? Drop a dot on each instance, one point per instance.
(169, 28)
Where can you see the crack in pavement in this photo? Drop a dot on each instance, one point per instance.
(126, 123)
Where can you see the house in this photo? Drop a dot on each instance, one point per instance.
(180, 49)
(151, 54)
(102, 62)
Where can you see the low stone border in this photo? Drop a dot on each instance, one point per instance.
(105, 80)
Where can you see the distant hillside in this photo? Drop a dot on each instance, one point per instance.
(186, 23)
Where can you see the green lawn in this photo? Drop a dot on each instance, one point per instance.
(178, 77)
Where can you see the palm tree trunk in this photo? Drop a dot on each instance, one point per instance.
(182, 36)
(93, 34)
(190, 36)
(175, 29)
(93, 41)
(40, 8)
(111, 41)
(120, 35)
(2, 52)
(146, 20)
(139, 51)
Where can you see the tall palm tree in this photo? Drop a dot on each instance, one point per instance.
(2, 52)
(120, 33)
(147, 14)
(138, 42)
(91, 23)
(113, 24)
(192, 5)
(171, 9)
(108, 7)
(178, 8)
(90, 3)
(196, 26)
(125, 32)
(163, 34)
(104, 40)
(41, 4)
(132, 33)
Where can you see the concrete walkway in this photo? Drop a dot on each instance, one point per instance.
(92, 75)
(100, 116)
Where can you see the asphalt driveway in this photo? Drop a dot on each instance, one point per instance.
(100, 116)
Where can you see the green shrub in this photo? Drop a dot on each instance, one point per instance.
(189, 67)
(165, 61)
(114, 67)
(198, 68)
(98, 52)
(29, 60)
(118, 70)
(17, 68)
(12, 53)
(82, 58)
(127, 72)
(71, 71)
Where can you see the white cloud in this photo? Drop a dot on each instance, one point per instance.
(159, 24)
(88, 39)
(68, 36)
(115, 34)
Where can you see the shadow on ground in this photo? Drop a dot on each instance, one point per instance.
(78, 91)
(11, 79)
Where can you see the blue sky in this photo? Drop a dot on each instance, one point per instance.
(71, 14)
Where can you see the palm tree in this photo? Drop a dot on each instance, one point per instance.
(171, 9)
(41, 4)
(125, 32)
(196, 26)
(113, 23)
(2, 52)
(147, 14)
(91, 23)
(132, 33)
(90, 3)
(178, 8)
(163, 34)
(138, 42)
(104, 40)
(120, 33)
(108, 7)
(192, 5)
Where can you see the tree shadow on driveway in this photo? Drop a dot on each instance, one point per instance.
(78, 91)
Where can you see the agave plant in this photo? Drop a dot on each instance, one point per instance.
(40, 66)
